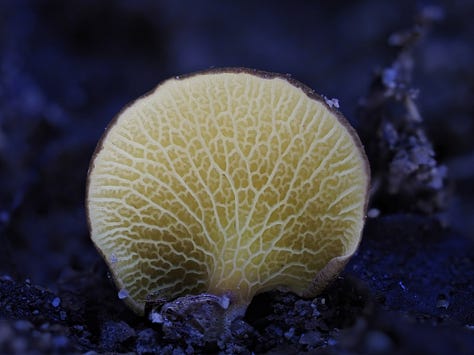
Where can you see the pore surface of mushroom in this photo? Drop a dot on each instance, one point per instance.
(227, 182)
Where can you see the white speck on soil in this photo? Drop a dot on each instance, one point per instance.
(373, 213)
(332, 102)
(56, 302)
(156, 317)
(402, 286)
(224, 302)
(122, 294)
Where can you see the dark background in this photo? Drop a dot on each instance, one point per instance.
(67, 67)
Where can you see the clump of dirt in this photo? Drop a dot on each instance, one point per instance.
(406, 174)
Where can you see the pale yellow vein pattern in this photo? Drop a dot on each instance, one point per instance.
(226, 182)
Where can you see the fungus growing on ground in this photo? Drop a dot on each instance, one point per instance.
(229, 183)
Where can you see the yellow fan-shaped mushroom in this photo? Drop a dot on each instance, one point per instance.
(227, 182)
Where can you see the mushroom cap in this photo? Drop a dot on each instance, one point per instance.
(230, 181)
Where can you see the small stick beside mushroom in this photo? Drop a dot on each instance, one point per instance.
(228, 183)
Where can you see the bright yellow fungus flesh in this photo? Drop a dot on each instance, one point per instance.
(227, 182)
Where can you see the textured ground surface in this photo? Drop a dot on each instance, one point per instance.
(66, 70)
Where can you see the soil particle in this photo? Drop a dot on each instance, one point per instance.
(114, 335)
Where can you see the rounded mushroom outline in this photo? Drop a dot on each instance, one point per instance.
(230, 182)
